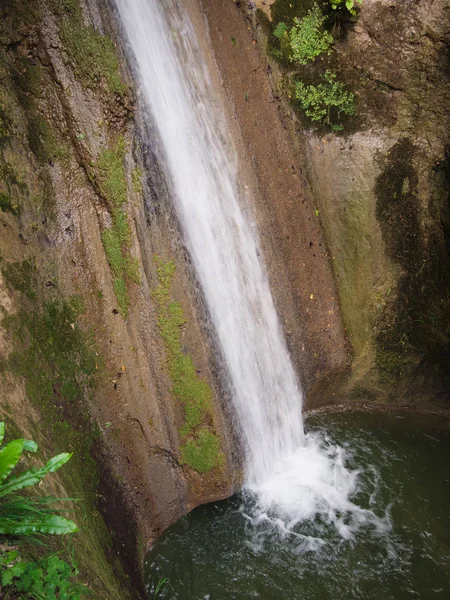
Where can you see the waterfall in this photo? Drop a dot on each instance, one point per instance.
(286, 470)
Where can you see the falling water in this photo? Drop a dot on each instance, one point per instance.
(292, 474)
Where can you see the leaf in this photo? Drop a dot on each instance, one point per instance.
(19, 569)
(49, 524)
(24, 583)
(24, 480)
(30, 446)
(280, 30)
(9, 457)
(36, 575)
(7, 578)
(10, 557)
(57, 462)
(2, 432)
(34, 476)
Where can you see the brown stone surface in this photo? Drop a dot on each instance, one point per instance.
(382, 191)
(293, 246)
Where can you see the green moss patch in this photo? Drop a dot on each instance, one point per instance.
(6, 205)
(5, 125)
(202, 453)
(21, 277)
(44, 137)
(112, 175)
(201, 449)
(93, 54)
(53, 355)
(117, 238)
(136, 177)
(57, 362)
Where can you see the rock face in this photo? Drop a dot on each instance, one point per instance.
(380, 189)
(292, 242)
(354, 229)
(383, 193)
(90, 247)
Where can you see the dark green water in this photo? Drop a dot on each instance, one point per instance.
(217, 553)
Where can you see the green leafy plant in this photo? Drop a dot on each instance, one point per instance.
(325, 101)
(307, 38)
(280, 30)
(159, 586)
(350, 5)
(27, 516)
(48, 578)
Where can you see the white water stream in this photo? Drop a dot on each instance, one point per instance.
(293, 476)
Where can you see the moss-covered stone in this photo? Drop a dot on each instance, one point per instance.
(58, 364)
(201, 449)
(21, 276)
(117, 238)
(6, 205)
(285, 11)
(92, 53)
(136, 177)
(415, 326)
(44, 137)
(5, 125)
(203, 452)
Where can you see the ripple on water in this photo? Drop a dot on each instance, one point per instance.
(385, 537)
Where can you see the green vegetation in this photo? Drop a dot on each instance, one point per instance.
(201, 450)
(308, 39)
(391, 364)
(111, 174)
(349, 4)
(7, 206)
(27, 79)
(58, 365)
(51, 353)
(23, 517)
(29, 515)
(21, 276)
(136, 179)
(280, 30)
(117, 238)
(298, 34)
(49, 578)
(160, 585)
(5, 125)
(44, 138)
(56, 359)
(325, 101)
(93, 54)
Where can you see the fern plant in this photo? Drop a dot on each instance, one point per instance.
(307, 38)
(322, 102)
(27, 515)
